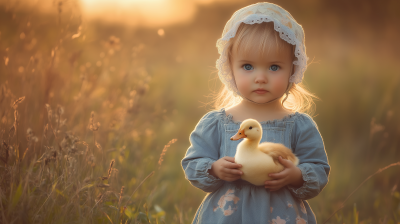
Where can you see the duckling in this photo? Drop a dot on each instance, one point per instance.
(258, 160)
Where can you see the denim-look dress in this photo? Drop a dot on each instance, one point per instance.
(240, 201)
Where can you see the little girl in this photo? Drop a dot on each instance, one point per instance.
(262, 62)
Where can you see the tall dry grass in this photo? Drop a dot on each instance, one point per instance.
(63, 179)
(71, 120)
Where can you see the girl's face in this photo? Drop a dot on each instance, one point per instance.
(262, 77)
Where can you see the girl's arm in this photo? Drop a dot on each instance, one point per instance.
(309, 147)
(203, 152)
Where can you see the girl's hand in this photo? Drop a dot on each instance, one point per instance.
(226, 169)
(290, 175)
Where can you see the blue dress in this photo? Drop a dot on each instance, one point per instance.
(240, 201)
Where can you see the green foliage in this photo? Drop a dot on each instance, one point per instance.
(16, 196)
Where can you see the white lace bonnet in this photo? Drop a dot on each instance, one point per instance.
(288, 29)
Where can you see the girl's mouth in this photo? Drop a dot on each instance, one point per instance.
(260, 91)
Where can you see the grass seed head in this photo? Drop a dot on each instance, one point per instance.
(102, 185)
(69, 143)
(100, 197)
(18, 101)
(30, 137)
(29, 132)
(16, 117)
(15, 121)
(35, 139)
(110, 168)
(87, 179)
(46, 128)
(120, 194)
(60, 110)
(164, 151)
(49, 112)
(91, 159)
(93, 126)
(99, 146)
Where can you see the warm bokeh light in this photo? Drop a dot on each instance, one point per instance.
(150, 13)
(161, 32)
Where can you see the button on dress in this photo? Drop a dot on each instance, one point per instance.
(240, 201)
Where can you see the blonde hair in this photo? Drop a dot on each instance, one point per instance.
(299, 99)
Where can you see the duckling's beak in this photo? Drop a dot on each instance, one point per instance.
(240, 134)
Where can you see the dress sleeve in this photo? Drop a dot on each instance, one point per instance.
(308, 146)
(204, 150)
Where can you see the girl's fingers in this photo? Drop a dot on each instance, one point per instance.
(285, 162)
(233, 171)
(284, 173)
(274, 183)
(230, 159)
(279, 175)
(230, 162)
(232, 165)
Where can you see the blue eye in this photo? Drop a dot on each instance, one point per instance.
(248, 67)
(274, 68)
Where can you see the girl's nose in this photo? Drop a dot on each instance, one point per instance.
(261, 77)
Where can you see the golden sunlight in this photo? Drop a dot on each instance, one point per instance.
(138, 12)
(150, 13)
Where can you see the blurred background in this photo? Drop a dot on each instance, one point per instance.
(95, 92)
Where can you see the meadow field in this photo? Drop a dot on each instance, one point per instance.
(95, 117)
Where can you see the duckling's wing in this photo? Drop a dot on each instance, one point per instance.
(276, 149)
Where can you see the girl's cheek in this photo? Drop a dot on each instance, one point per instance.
(242, 84)
(281, 83)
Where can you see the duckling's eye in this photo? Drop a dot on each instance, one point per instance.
(250, 127)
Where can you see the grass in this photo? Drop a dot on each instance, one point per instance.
(93, 126)
(66, 184)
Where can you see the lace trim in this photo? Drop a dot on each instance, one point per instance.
(229, 118)
(302, 191)
(208, 167)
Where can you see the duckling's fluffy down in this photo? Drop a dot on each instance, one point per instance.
(275, 150)
(256, 165)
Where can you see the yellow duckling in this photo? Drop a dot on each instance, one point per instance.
(258, 160)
